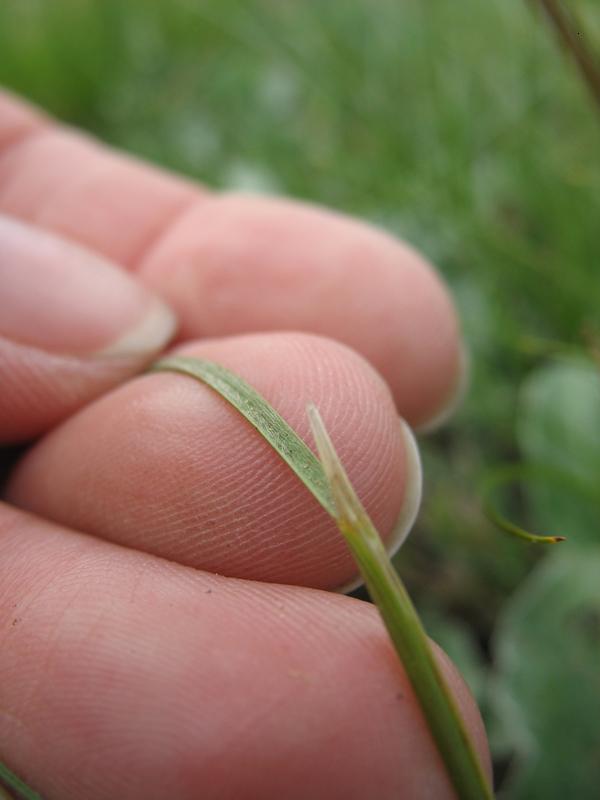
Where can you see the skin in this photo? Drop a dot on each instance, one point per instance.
(128, 668)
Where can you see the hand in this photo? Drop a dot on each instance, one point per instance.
(128, 668)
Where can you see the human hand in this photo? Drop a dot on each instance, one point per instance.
(123, 671)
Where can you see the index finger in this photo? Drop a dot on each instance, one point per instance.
(232, 264)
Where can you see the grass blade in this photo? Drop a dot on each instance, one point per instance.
(9, 780)
(283, 439)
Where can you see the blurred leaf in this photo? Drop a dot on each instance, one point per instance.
(547, 687)
(558, 427)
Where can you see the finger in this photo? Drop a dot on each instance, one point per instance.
(127, 676)
(166, 465)
(231, 264)
(71, 326)
(66, 182)
(238, 264)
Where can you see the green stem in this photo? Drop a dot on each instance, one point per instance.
(403, 625)
(573, 40)
(15, 784)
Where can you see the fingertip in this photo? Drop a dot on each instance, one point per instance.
(238, 263)
(455, 397)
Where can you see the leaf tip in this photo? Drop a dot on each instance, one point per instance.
(346, 503)
(324, 445)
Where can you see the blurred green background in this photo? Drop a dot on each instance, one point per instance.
(462, 127)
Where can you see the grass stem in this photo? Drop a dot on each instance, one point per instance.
(574, 42)
(403, 625)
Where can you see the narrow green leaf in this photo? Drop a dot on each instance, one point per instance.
(15, 784)
(507, 474)
(328, 482)
(285, 441)
(403, 625)
(557, 426)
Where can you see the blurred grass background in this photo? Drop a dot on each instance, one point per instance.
(458, 126)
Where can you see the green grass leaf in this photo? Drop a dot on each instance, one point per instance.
(261, 415)
(15, 784)
(329, 483)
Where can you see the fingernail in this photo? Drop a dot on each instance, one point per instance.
(455, 398)
(413, 491)
(411, 502)
(62, 298)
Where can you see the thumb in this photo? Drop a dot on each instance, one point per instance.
(71, 326)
